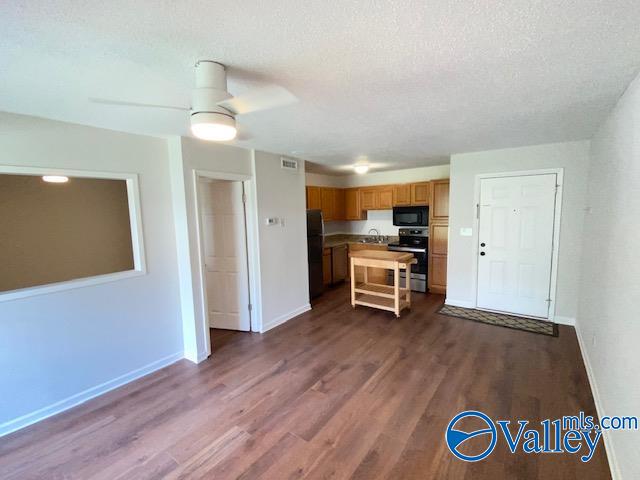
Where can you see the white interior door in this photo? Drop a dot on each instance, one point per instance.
(515, 237)
(225, 252)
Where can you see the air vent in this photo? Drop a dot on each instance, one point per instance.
(288, 163)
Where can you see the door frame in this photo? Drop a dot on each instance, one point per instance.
(253, 258)
(559, 172)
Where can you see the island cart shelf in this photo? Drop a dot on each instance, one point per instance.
(393, 298)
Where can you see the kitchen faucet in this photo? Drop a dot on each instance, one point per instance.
(374, 230)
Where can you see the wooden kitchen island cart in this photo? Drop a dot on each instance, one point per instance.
(393, 298)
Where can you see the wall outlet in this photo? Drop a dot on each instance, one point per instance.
(271, 221)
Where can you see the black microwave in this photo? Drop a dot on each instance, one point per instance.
(411, 216)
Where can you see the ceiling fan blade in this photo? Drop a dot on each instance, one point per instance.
(118, 103)
(263, 98)
(243, 134)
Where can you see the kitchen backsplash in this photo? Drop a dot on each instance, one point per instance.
(381, 220)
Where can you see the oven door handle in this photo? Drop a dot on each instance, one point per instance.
(408, 249)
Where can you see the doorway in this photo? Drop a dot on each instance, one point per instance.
(224, 253)
(517, 241)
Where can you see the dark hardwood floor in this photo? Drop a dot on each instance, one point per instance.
(334, 393)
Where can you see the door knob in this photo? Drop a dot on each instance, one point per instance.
(482, 253)
(482, 244)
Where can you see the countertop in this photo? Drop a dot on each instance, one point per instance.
(342, 239)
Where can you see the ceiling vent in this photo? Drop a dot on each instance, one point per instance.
(288, 163)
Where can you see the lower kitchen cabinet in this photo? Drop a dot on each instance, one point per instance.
(339, 258)
(438, 274)
(335, 264)
(326, 266)
(438, 251)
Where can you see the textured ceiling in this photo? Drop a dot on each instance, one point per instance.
(398, 83)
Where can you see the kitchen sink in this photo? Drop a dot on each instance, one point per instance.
(371, 240)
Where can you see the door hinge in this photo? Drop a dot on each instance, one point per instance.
(244, 198)
(477, 210)
(548, 300)
(250, 307)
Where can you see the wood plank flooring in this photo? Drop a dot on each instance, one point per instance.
(335, 393)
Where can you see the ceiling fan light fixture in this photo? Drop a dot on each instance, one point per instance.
(361, 169)
(213, 126)
(55, 178)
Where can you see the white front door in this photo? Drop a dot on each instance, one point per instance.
(515, 243)
(225, 252)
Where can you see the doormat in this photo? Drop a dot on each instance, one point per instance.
(509, 321)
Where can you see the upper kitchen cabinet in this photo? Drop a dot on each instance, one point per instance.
(352, 209)
(376, 198)
(439, 207)
(420, 193)
(313, 198)
(338, 204)
(327, 200)
(385, 197)
(402, 195)
(369, 198)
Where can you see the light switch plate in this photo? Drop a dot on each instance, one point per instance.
(466, 232)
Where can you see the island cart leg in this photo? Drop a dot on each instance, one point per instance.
(396, 289)
(407, 284)
(353, 282)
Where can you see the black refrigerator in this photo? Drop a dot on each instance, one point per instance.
(315, 230)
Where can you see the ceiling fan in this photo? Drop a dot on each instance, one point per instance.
(213, 109)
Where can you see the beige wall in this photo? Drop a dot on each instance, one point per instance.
(55, 232)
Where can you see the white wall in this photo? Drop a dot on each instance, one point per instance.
(59, 349)
(188, 155)
(406, 175)
(283, 249)
(608, 324)
(461, 267)
(381, 220)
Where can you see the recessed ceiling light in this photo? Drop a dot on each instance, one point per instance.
(361, 169)
(55, 178)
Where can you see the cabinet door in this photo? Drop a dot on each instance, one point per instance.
(369, 198)
(338, 204)
(439, 237)
(438, 274)
(385, 197)
(327, 204)
(438, 249)
(401, 195)
(420, 193)
(352, 210)
(326, 266)
(313, 198)
(439, 209)
(339, 263)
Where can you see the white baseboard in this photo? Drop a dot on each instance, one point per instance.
(564, 320)
(283, 318)
(81, 397)
(606, 434)
(460, 303)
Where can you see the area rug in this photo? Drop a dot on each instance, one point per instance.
(502, 320)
